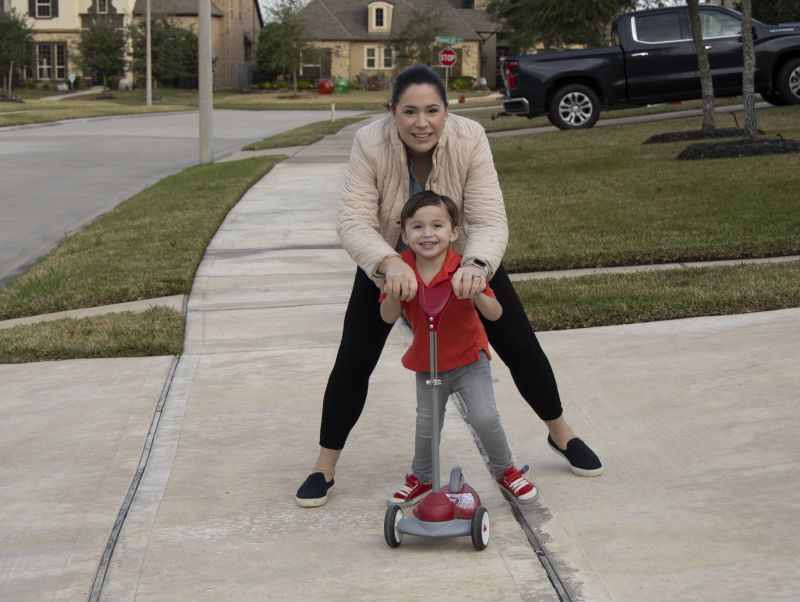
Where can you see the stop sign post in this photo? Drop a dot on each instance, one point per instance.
(447, 58)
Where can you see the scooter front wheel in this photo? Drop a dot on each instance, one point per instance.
(390, 522)
(481, 528)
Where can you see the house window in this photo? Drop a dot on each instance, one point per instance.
(387, 58)
(51, 61)
(379, 16)
(371, 58)
(44, 9)
(61, 61)
(102, 6)
(44, 61)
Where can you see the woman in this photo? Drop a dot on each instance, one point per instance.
(420, 146)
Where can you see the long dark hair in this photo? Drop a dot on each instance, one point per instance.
(416, 74)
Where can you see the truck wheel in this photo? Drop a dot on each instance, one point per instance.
(788, 84)
(574, 107)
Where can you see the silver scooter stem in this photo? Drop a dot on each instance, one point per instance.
(435, 382)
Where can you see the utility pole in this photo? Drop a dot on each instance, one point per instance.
(148, 58)
(205, 83)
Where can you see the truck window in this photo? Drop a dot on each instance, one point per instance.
(615, 41)
(653, 29)
(719, 25)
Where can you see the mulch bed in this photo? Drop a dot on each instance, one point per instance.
(739, 148)
(696, 135)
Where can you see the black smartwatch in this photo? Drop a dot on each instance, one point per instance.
(478, 263)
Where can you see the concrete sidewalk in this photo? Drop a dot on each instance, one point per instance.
(695, 420)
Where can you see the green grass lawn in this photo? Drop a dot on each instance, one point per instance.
(504, 123)
(600, 197)
(157, 331)
(303, 135)
(602, 300)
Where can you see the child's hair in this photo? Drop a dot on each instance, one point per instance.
(427, 198)
(416, 74)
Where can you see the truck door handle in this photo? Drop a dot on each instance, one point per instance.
(708, 47)
(640, 54)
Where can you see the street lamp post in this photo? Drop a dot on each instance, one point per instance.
(205, 82)
(148, 58)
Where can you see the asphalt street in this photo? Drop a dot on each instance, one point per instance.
(56, 177)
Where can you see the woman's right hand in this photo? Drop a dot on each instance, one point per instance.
(401, 283)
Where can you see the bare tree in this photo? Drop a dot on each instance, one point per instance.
(748, 75)
(705, 68)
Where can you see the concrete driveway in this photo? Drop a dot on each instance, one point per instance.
(57, 177)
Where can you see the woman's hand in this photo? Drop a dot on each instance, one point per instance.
(401, 283)
(468, 281)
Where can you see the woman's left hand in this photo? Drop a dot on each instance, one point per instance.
(468, 281)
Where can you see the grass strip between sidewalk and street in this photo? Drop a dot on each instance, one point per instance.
(607, 299)
(303, 135)
(148, 246)
(156, 331)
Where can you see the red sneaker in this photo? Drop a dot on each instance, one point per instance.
(410, 493)
(520, 488)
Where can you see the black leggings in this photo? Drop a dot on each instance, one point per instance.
(364, 335)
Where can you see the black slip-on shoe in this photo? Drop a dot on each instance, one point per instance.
(314, 491)
(582, 460)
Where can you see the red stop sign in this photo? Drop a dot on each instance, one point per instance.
(447, 57)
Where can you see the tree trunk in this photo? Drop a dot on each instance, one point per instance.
(704, 66)
(748, 75)
(294, 80)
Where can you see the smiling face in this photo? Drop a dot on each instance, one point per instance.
(429, 231)
(419, 114)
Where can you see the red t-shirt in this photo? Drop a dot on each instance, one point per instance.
(461, 335)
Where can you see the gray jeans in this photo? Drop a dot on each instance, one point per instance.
(473, 383)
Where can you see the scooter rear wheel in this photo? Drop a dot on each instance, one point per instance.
(456, 480)
(481, 528)
(390, 531)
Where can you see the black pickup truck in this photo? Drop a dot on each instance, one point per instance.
(653, 60)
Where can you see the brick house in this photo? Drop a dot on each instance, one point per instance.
(235, 25)
(57, 26)
(351, 37)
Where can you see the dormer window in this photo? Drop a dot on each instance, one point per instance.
(102, 6)
(379, 17)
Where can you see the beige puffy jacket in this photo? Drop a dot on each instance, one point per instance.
(376, 187)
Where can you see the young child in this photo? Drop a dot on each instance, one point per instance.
(429, 224)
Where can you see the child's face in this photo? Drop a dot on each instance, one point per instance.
(429, 232)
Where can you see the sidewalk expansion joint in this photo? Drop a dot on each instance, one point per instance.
(555, 580)
(102, 570)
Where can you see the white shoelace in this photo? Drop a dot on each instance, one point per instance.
(517, 485)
